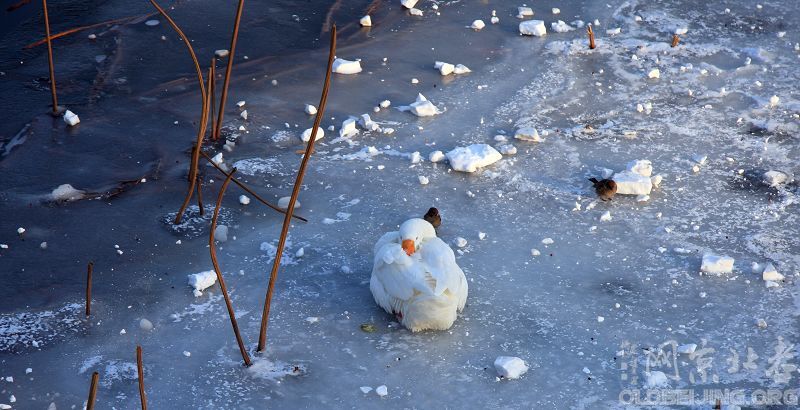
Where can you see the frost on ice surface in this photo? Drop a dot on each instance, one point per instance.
(258, 166)
(655, 378)
(342, 66)
(283, 202)
(470, 158)
(716, 264)
(534, 28)
(510, 367)
(32, 329)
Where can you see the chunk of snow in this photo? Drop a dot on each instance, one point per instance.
(310, 109)
(688, 348)
(460, 242)
(306, 137)
(771, 274)
(218, 159)
(523, 12)
(527, 134)
(71, 118)
(773, 102)
(561, 27)
(507, 149)
(495, 19)
(631, 183)
(535, 252)
(365, 389)
(642, 167)
(470, 158)
(436, 156)
(642, 198)
(761, 323)
(414, 81)
(382, 390)
(385, 104)
(244, 199)
(240, 104)
(510, 367)
(774, 178)
(221, 53)
(367, 124)
(66, 192)
(203, 280)
(343, 66)
(532, 28)
(444, 68)
(548, 241)
(221, 233)
(300, 252)
(409, 4)
(655, 379)
(681, 31)
(422, 107)
(556, 10)
(415, 12)
(477, 25)
(365, 21)
(606, 216)
(654, 73)
(600, 319)
(423, 180)
(614, 31)
(700, 159)
(20, 230)
(348, 128)
(716, 264)
(283, 202)
(656, 180)
(243, 114)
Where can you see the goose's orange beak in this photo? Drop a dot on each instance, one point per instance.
(408, 246)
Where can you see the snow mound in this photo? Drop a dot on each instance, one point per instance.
(532, 28)
(561, 27)
(470, 158)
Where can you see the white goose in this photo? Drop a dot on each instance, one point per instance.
(416, 278)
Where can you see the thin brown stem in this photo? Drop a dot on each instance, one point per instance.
(231, 53)
(248, 190)
(89, 270)
(222, 287)
(675, 40)
(92, 391)
(188, 46)
(53, 92)
(81, 28)
(591, 37)
(140, 370)
(193, 166)
(200, 195)
(273, 277)
(212, 93)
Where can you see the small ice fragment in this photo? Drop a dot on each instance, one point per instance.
(642, 198)
(365, 21)
(145, 325)
(43, 245)
(700, 159)
(547, 241)
(535, 252)
(312, 319)
(444, 68)
(385, 104)
(716, 264)
(92, 36)
(756, 267)
(283, 203)
(66, 192)
(365, 389)
(606, 216)
(152, 23)
(481, 235)
(203, 280)
(460, 242)
(556, 10)
(221, 233)
(773, 101)
(348, 128)
(614, 31)
(300, 252)
(310, 109)
(656, 180)
(654, 73)
(495, 19)
(221, 53)
(415, 12)
(507, 149)
(243, 115)
(472, 157)
(187, 353)
(423, 180)
(639, 107)
(774, 178)
(122, 332)
(461, 69)
(71, 118)
(631, 183)
(477, 25)
(532, 28)
(367, 124)
(409, 4)
(561, 27)
(414, 81)
(306, 136)
(510, 367)
(523, 12)
(527, 134)
(240, 104)
(771, 274)
(20, 230)
(436, 156)
(642, 167)
(761, 323)
(600, 319)
(244, 199)
(382, 390)
(343, 66)
(688, 348)
(422, 107)
(681, 31)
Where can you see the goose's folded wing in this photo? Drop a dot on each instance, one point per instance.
(438, 259)
(399, 274)
(388, 237)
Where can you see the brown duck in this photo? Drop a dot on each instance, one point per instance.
(605, 188)
(433, 217)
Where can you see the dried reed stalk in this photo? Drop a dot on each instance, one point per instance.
(591, 37)
(224, 96)
(675, 40)
(273, 277)
(222, 287)
(92, 391)
(53, 92)
(140, 370)
(89, 269)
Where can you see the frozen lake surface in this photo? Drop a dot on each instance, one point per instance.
(597, 297)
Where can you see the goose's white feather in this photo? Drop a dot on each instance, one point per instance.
(425, 290)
